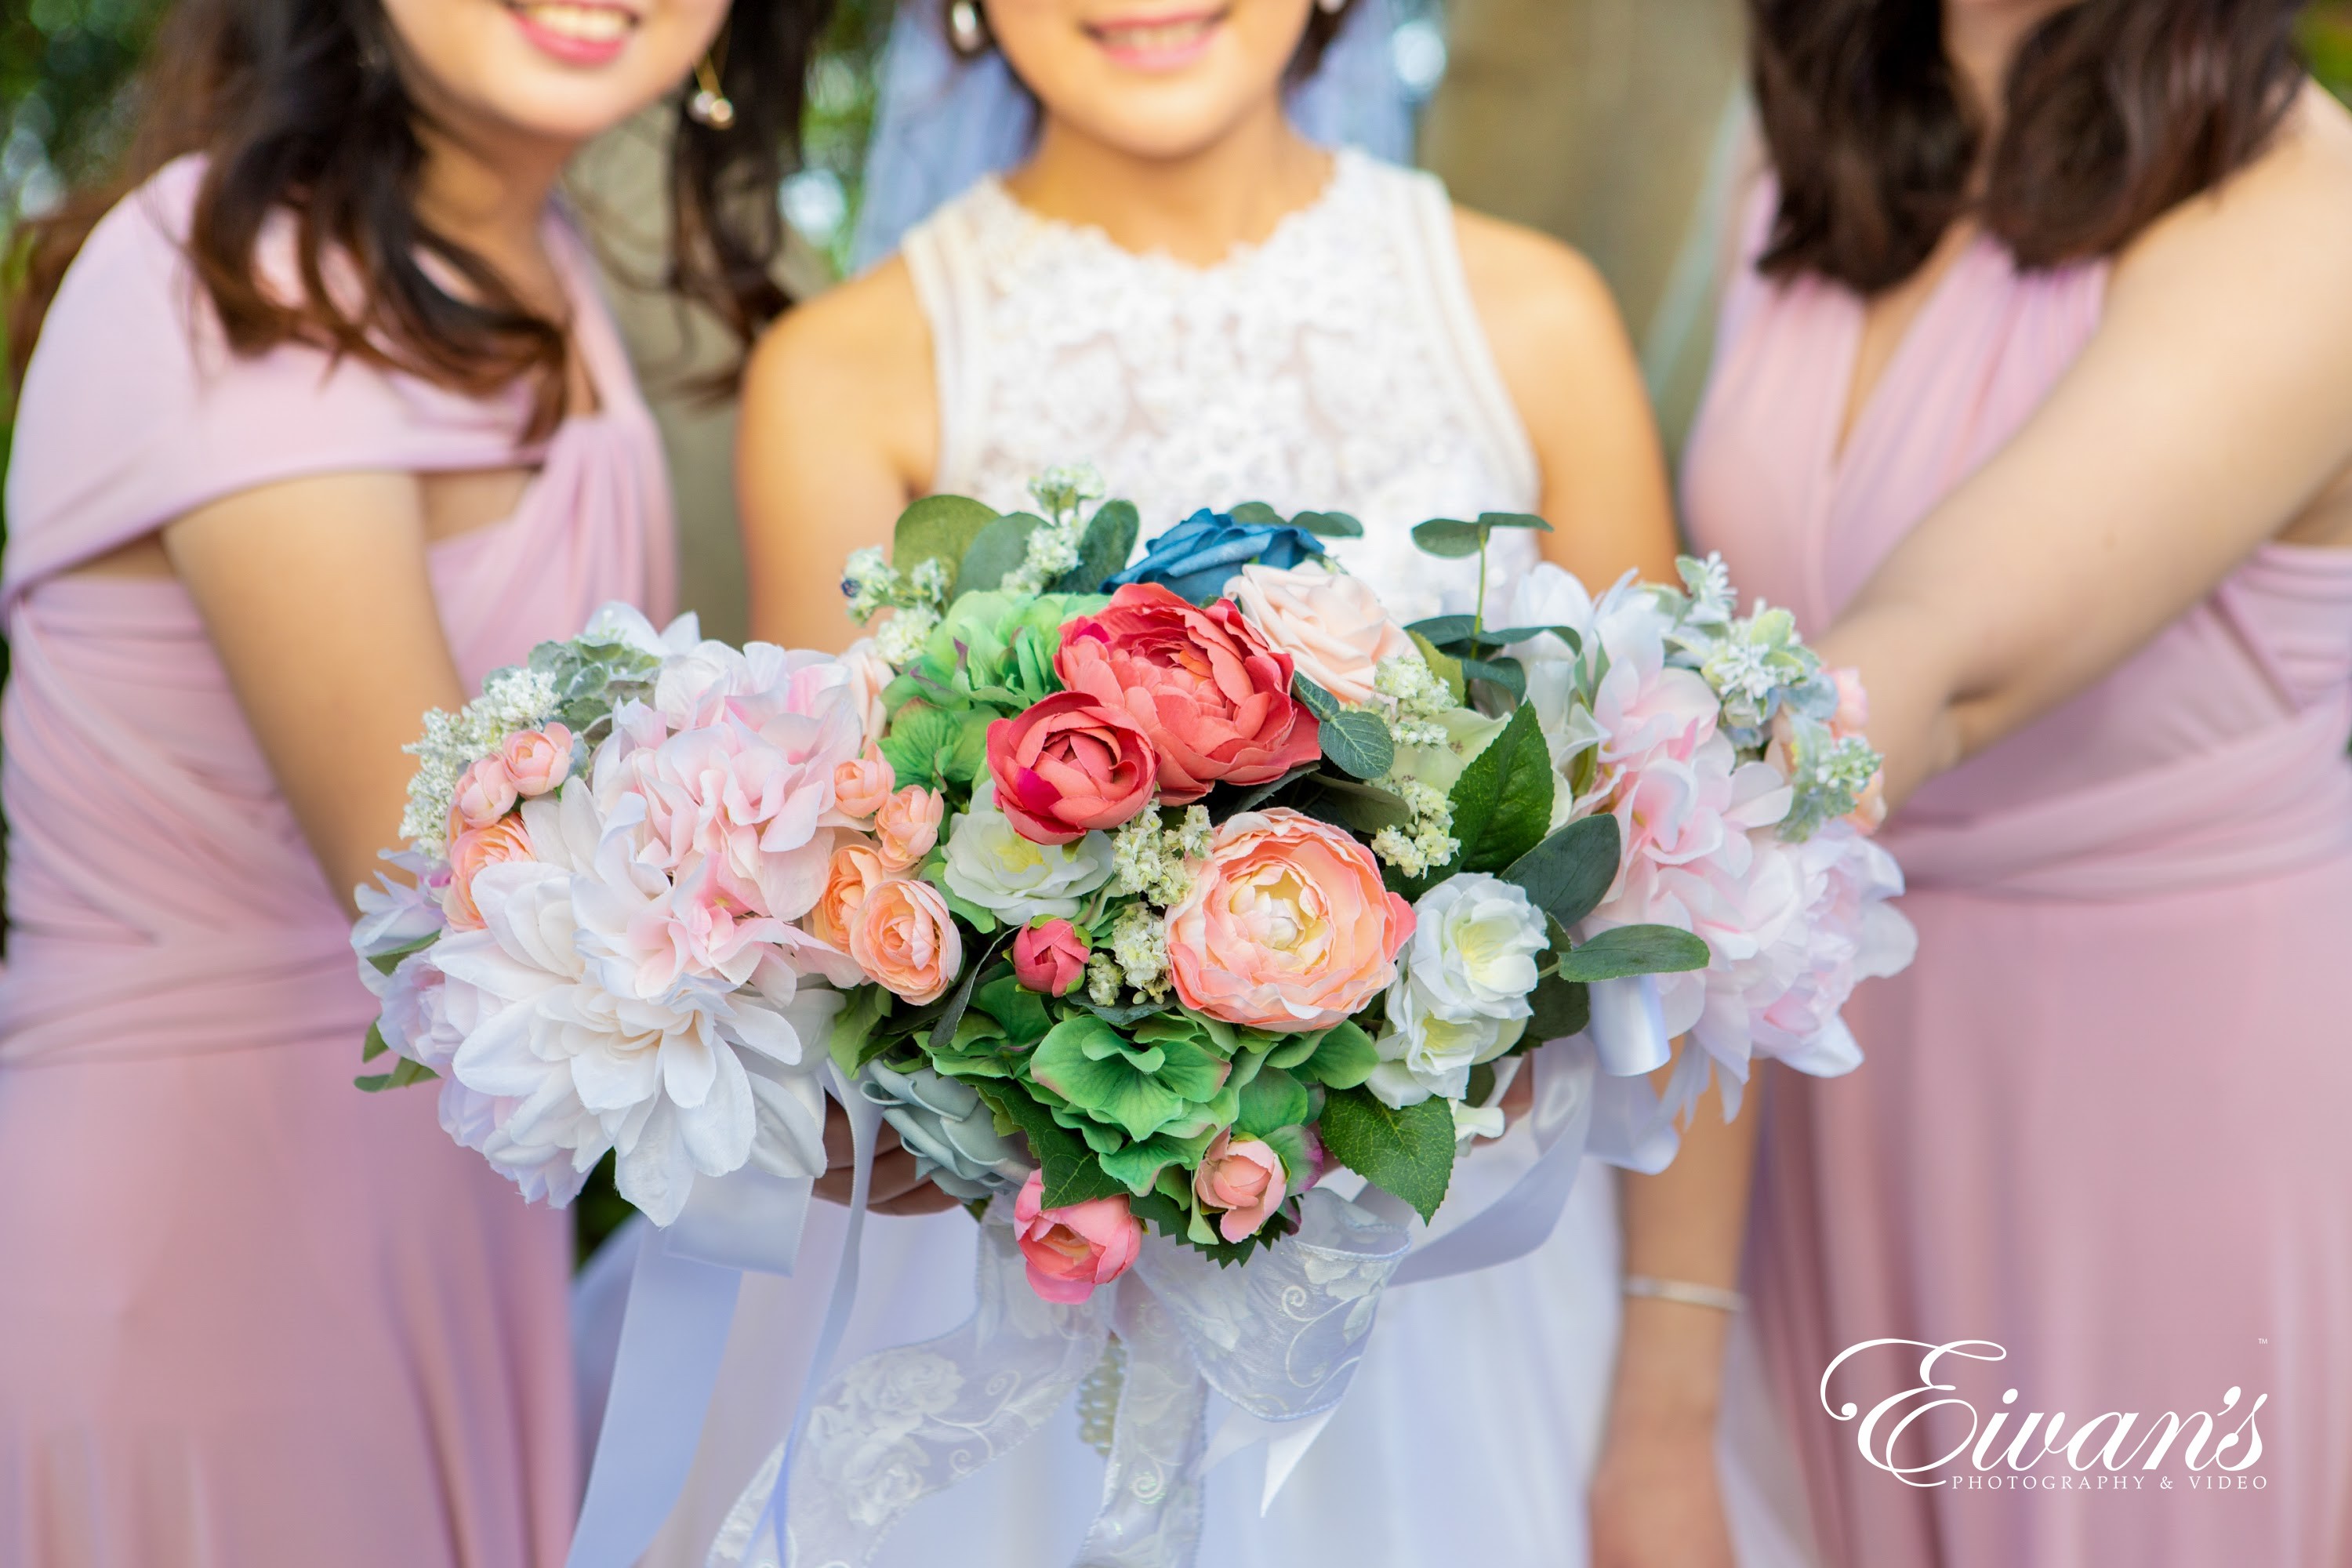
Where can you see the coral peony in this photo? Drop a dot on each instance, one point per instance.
(1287, 926)
(1068, 766)
(1243, 1178)
(1072, 1250)
(861, 784)
(537, 760)
(504, 839)
(1331, 625)
(1202, 683)
(904, 940)
(1050, 958)
(908, 825)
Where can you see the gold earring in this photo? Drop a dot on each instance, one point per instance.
(710, 105)
(966, 31)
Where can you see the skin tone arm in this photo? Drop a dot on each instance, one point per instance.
(2211, 412)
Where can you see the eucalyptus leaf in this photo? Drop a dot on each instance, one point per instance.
(1407, 1153)
(995, 550)
(1513, 520)
(1328, 524)
(938, 527)
(1358, 742)
(1103, 549)
(1316, 700)
(1569, 873)
(1361, 807)
(1506, 673)
(1623, 951)
(1252, 799)
(1256, 514)
(1449, 538)
(1560, 1008)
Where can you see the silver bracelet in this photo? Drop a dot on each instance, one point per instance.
(1688, 1294)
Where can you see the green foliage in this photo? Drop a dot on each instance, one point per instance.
(1103, 549)
(1502, 802)
(996, 550)
(1072, 1174)
(1634, 950)
(403, 1073)
(1568, 874)
(1358, 742)
(1408, 1153)
(938, 527)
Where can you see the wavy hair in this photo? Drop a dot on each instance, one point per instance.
(298, 108)
(2113, 112)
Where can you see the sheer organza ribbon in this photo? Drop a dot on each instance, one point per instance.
(1279, 1339)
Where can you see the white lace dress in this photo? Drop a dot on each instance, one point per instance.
(1337, 365)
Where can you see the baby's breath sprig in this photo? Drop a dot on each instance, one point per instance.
(511, 700)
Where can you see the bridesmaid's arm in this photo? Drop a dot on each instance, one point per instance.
(839, 431)
(2212, 411)
(1565, 358)
(316, 599)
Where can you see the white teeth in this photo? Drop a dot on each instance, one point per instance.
(1155, 35)
(588, 24)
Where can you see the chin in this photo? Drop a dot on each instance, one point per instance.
(1163, 117)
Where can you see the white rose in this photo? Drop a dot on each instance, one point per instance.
(1331, 625)
(992, 866)
(1474, 950)
(1423, 1054)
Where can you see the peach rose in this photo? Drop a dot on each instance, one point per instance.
(906, 942)
(485, 793)
(853, 871)
(908, 825)
(1244, 1178)
(505, 839)
(1287, 926)
(862, 785)
(1330, 624)
(537, 760)
(1072, 1250)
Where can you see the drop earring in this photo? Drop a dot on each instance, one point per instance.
(966, 31)
(710, 104)
(1330, 7)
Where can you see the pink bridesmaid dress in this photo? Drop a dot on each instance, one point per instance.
(248, 1315)
(2101, 1123)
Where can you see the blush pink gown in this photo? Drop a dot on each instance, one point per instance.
(2101, 1123)
(250, 1316)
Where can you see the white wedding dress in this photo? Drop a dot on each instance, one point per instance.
(1338, 365)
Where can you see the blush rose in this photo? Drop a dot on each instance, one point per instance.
(504, 839)
(1071, 1250)
(904, 940)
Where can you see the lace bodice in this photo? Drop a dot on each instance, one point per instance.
(1337, 365)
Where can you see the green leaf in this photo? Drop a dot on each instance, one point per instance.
(1449, 538)
(943, 1032)
(403, 1073)
(922, 742)
(853, 1028)
(1446, 668)
(1506, 673)
(1256, 514)
(1072, 1174)
(389, 960)
(938, 526)
(1569, 873)
(1136, 1166)
(1359, 807)
(1328, 524)
(1249, 800)
(1273, 1098)
(1513, 520)
(1561, 1008)
(1445, 630)
(1358, 742)
(1408, 1153)
(1103, 550)
(971, 914)
(1316, 700)
(1502, 802)
(995, 551)
(1504, 636)
(1020, 1012)
(1634, 950)
(1121, 1018)
(374, 1045)
(1344, 1057)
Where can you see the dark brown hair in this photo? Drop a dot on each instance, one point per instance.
(298, 108)
(2114, 111)
(1322, 27)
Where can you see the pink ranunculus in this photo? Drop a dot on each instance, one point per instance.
(1050, 958)
(485, 793)
(1244, 1178)
(1330, 624)
(908, 825)
(1287, 926)
(537, 760)
(504, 839)
(1067, 765)
(869, 674)
(1202, 683)
(1071, 1250)
(853, 871)
(861, 784)
(906, 942)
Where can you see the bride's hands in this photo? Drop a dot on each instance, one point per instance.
(895, 1190)
(1655, 1503)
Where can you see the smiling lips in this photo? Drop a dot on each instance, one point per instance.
(577, 34)
(1158, 43)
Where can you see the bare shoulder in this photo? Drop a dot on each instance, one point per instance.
(2286, 217)
(1532, 290)
(853, 365)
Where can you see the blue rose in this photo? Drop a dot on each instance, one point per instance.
(1200, 555)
